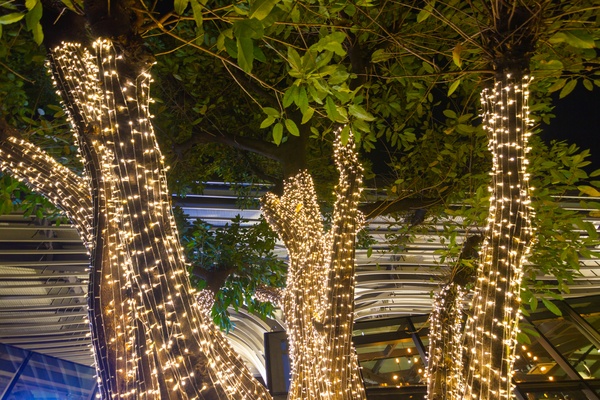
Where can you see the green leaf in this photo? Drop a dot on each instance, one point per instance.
(272, 112)
(456, 55)
(590, 191)
(267, 122)
(248, 28)
(292, 127)
(11, 18)
(425, 12)
(331, 110)
(260, 9)
(533, 303)
(294, 59)
(453, 87)
(523, 338)
(180, 6)
(380, 55)
(588, 84)
(29, 4)
(345, 135)
(197, 10)
(569, 86)
(450, 114)
(277, 133)
(577, 38)
(290, 95)
(33, 16)
(307, 115)
(69, 5)
(552, 65)
(301, 99)
(240, 10)
(332, 42)
(559, 84)
(360, 113)
(551, 307)
(245, 53)
(38, 34)
(338, 76)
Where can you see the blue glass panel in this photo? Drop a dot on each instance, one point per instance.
(45, 377)
(11, 359)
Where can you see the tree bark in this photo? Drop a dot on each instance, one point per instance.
(318, 299)
(492, 327)
(150, 337)
(445, 361)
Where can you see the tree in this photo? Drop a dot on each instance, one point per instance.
(150, 335)
(374, 66)
(508, 42)
(318, 298)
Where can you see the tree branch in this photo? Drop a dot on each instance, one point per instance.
(267, 294)
(43, 174)
(383, 207)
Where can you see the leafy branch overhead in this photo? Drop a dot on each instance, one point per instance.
(233, 262)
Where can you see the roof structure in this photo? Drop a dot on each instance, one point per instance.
(44, 278)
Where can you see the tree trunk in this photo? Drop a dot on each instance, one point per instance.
(150, 337)
(318, 302)
(491, 329)
(445, 362)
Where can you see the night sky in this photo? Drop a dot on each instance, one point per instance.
(577, 121)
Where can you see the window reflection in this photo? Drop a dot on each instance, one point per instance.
(573, 345)
(28, 375)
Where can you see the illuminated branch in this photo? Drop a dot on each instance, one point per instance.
(151, 339)
(269, 295)
(46, 176)
(317, 301)
(445, 362)
(491, 330)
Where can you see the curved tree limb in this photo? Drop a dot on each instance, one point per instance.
(43, 174)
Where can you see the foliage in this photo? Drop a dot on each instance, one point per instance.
(562, 235)
(404, 75)
(243, 252)
(30, 105)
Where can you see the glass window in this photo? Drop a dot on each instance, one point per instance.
(393, 363)
(588, 308)
(11, 359)
(555, 395)
(573, 345)
(534, 364)
(44, 377)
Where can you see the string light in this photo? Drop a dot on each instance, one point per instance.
(491, 329)
(151, 338)
(444, 365)
(318, 302)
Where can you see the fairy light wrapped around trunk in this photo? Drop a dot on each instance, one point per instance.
(491, 329)
(444, 364)
(317, 302)
(151, 339)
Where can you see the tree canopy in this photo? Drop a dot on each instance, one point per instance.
(250, 91)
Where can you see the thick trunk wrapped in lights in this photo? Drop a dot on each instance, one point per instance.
(445, 361)
(150, 336)
(444, 365)
(318, 298)
(491, 330)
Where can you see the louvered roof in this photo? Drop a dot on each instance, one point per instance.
(44, 278)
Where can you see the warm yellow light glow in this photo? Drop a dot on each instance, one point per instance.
(318, 299)
(151, 338)
(479, 364)
(492, 329)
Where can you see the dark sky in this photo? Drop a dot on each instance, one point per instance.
(577, 121)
